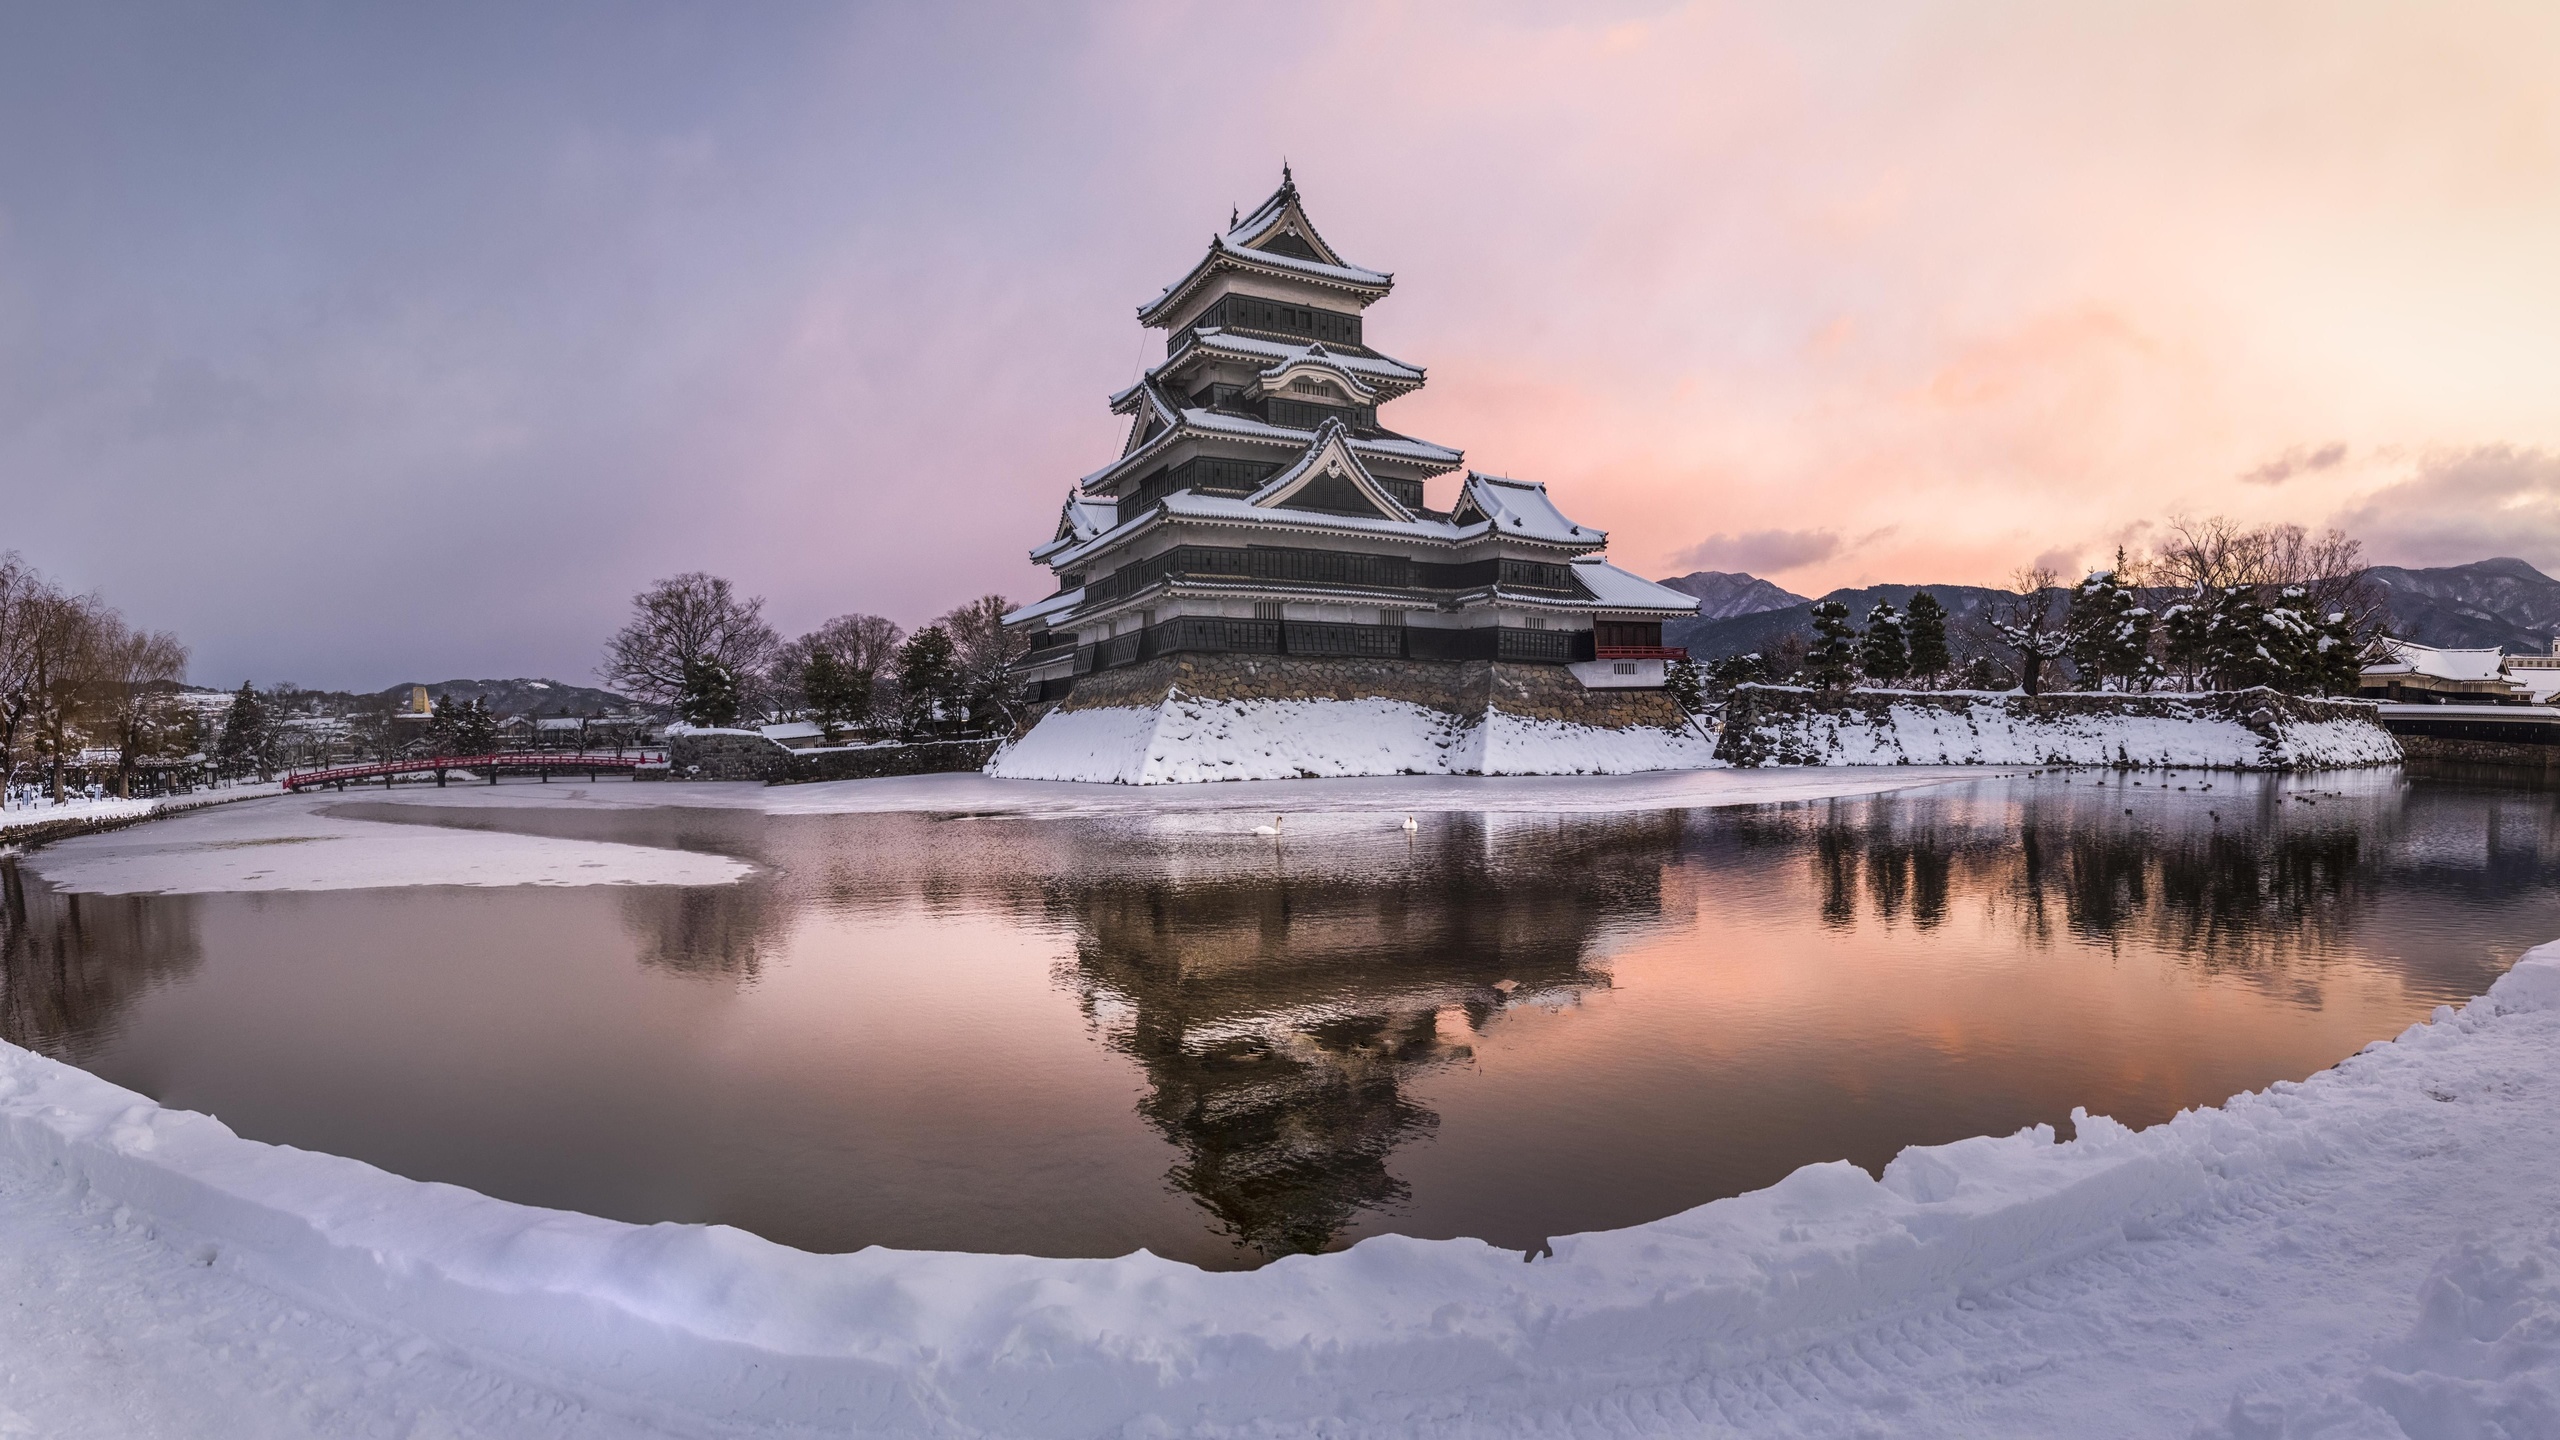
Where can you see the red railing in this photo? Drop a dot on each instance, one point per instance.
(500, 760)
(1643, 652)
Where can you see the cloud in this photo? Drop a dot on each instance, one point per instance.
(2300, 460)
(1761, 552)
(2464, 505)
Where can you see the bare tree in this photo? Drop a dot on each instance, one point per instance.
(2204, 560)
(128, 670)
(24, 596)
(2025, 624)
(683, 629)
(61, 675)
(984, 652)
(865, 647)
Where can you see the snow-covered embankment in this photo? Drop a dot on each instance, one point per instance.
(2233, 730)
(2314, 1251)
(1190, 738)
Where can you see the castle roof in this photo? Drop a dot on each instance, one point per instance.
(1625, 590)
(1276, 239)
(1519, 508)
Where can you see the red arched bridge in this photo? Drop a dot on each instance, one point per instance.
(520, 762)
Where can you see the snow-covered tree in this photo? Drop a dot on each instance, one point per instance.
(710, 693)
(1683, 683)
(2337, 661)
(1925, 626)
(1884, 651)
(1832, 662)
(983, 654)
(2110, 632)
(2027, 627)
(1731, 670)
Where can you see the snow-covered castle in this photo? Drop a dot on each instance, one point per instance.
(1262, 556)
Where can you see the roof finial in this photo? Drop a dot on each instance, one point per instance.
(1285, 181)
(1235, 216)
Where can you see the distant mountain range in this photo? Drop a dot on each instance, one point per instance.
(1724, 594)
(2502, 602)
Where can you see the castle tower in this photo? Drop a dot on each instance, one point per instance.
(1262, 507)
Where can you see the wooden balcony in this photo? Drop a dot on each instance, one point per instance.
(1642, 652)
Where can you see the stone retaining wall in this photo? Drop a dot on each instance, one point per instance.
(1463, 688)
(2255, 729)
(745, 755)
(931, 757)
(725, 755)
(2481, 752)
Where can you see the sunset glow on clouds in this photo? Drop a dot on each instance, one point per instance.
(1830, 294)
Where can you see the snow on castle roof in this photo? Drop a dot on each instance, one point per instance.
(1520, 508)
(2416, 659)
(1037, 609)
(1082, 518)
(1241, 246)
(1285, 354)
(1626, 590)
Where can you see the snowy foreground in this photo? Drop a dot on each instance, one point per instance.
(2370, 1253)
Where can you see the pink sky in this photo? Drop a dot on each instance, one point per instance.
(1833, 294)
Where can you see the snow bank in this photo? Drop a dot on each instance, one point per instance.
(2247, 730)
(28, 816)
(1646, 1327)
(289, 845)
(1187, 739)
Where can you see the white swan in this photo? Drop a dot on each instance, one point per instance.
(1271, 829)
(1409, 825)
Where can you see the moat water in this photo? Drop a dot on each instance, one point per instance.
(1083, 1036)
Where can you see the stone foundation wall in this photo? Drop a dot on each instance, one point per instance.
(731, 755)
(2255, 729)
(726, 755)
(932, 757)
(1462, 688)
(2481, 752)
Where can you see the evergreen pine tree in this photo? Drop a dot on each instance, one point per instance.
(475, 730)
(1884, 654)
(1832, 661)
(1732, 670)
(836, 695)
(2185, 632)
(1925, 629)
(711, 695)
(2292, 642)
(2235, 651)
(928, 681)
(248, 741)
(1683, 683)
(2337, 659)
(2110, 632)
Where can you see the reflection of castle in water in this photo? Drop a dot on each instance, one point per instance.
(1280, 1016)
(70, 964)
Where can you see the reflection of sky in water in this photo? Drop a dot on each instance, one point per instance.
(1080, 1036)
